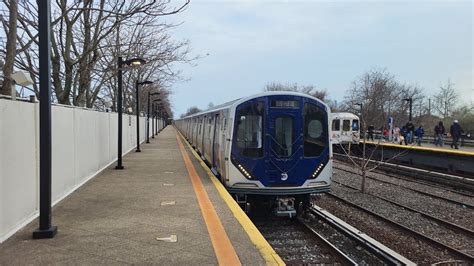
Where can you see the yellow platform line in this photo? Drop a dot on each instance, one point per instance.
(223, 248)
(412, 147)
(267, 252)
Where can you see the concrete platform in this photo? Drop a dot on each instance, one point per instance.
(117, 217)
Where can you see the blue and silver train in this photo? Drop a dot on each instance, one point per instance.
(273, 145)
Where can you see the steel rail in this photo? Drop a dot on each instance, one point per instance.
(426, 183)
(450, 180)
(345, 260)
(375, 250)
(412, 189)
(453, 226)
(459, 253)
(431, 184)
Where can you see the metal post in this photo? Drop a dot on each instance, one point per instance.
(157, 120)
(411, 104)
(45, 230)
(148, 120)
(429, 107)
(138, 116)
(153, 120)
(119, 110)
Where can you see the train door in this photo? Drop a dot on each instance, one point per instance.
(223, 146)
(203, 137)
(215, 142)
(200, 135)
(283, 143)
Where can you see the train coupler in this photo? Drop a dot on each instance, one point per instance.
(241, 199)
(285, 207)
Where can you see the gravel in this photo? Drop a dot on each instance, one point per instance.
(439, 208)
(407, 245)
(439, 191)
(408, 218)
(293, 242)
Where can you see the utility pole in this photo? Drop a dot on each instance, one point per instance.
(46, 229)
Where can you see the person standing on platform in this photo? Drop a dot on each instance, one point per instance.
(410, 130)
(439, 134)
(385, 134)
(455, 132)
(371, 132)
(396, 134)
(419, 135)
(403, 135)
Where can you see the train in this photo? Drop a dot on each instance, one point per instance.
(345, 128)
(272, 147)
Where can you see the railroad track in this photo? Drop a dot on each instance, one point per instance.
(425, 183)
(468, 205)
(367, 245)
(456, 184)
(298, 244)
(455, 227)
(453, 250)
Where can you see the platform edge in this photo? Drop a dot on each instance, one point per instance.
(267, 252)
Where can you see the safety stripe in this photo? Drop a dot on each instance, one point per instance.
(267, 252)
(412, 147)
(223, 248)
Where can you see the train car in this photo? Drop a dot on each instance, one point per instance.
(345, 128)
(271, 147)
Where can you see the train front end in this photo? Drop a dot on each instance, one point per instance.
(280, 149)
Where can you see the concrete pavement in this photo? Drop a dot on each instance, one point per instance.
(116, 217)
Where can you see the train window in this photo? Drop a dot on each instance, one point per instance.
(315, 130)
(346, 125)
(336, 125)
(249, 121)
(355, 125)
(284, 137)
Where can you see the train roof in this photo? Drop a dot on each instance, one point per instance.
(244, 99)
(343, 115)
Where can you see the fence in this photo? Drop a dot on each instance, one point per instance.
(84, 142)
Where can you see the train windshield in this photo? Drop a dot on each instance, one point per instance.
(355, 125)
(346, 125)
(249, 130)
(315, 131)
(336, 125)
(284, 138)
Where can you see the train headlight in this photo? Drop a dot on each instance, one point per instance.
(242, 169)
(244, 172)
(319, 168)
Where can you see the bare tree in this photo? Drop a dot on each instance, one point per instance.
(10, 51)
(84, 50)
(191, 110)
(446, 99)
(308, 89)
(381, 97)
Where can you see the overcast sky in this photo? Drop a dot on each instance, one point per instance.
(323, 43)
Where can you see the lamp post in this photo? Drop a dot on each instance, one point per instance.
(157, 107)
(410, 100)
(148, 115)
(137, 85)
(46, 229)
(361, 116)
(120, 64)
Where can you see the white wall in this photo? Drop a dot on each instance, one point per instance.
(84, 143)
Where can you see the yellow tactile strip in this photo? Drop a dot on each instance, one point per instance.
(268, 253)
(412, 147)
